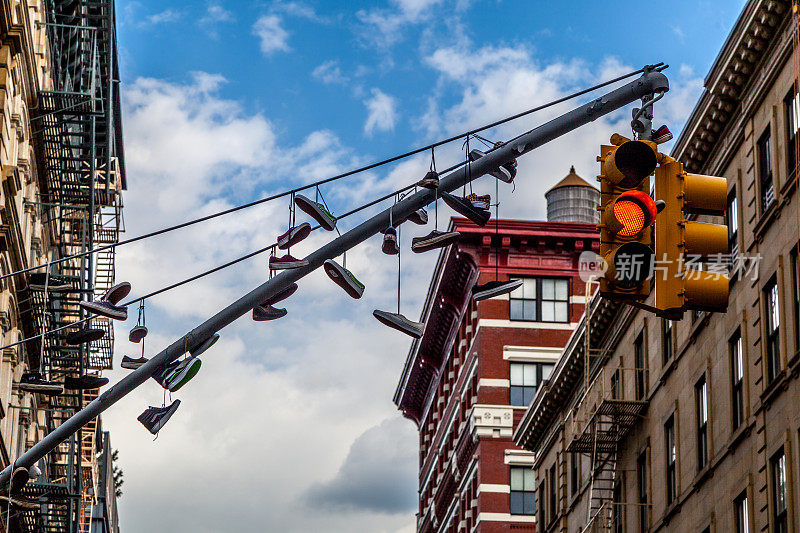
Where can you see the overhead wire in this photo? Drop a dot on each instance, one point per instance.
(213, 270)
(336, 177)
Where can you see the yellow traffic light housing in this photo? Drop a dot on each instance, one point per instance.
(681, 242)
(628, 211)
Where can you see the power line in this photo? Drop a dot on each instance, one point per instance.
(217, 268)
(333, 178)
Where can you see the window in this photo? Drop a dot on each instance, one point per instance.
(796, 287)
(641, 372)
(542, 519)
(553, 493)
(574, 474)
(791, 106)
(741, 513)
(779, 496)
(523, 490)
(617, 513)
(737, 380)
(773, 322)
(666, 331)
(765, 170)
(525, 381)
(641, 479)
(732, 220)
(540, 300)
(672, 460)
(701, 403)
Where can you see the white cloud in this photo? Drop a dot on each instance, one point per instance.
(168, 15)
(381, 112)
(215, 15)
(277, 410)
(272, 36)
(385, 27)
(298, 9)
(330, 73)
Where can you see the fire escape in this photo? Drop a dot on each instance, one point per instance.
(79, 154)
(613, 403)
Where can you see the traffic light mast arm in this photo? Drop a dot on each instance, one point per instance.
(649, 83)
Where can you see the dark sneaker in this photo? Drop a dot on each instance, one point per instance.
(430, 181)
(420, 216)
(132, 364)
(205, 345)
(116, 293)
(494, 288)
(389, 246)
(400, 323)
(480, 202)
(285, 293)
(106, 308)
(316, 211)
(34, 382)
(177, 373)
(294, 235)
(504, 173)
(137, 334)
(84, 336)
(154, 418)
(343, 278)
(465, 207)
(662, 135)
(84, 382)
(262, 313)
(37, 282)
(286, 262)
(434, 239)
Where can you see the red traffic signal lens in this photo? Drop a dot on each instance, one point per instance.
(634, 210)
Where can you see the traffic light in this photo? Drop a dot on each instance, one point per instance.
(682, 243)
(627, 212)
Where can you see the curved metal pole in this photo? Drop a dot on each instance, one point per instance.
(650, 82)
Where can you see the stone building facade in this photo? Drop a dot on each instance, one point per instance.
(693, 425)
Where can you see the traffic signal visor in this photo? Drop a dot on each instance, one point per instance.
(630, 163)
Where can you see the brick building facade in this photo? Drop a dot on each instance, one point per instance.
(467, 381)
(693, 425)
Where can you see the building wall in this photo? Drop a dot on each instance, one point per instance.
(23, 239)
(738, 460)
(466, 451)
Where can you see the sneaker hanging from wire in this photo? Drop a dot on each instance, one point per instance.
(479, 201)
(176, 374)
(419, 217)
(107, 304)
(463, 206)
(505, 172)
(285, 293)
(430, 181)
(130, 363)
(84, 382)
(38, 280)
(84, 335)
(287, 262)
(662, 135)
(344, 278)
(154, 418)
(34, 382)
(294, 235)
(390, 246)
(262, 313)
(433, 240)
(400, 323)
(491, 289)
(317, 211)
(137, 333)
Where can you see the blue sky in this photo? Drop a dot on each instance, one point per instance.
(291, 423)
